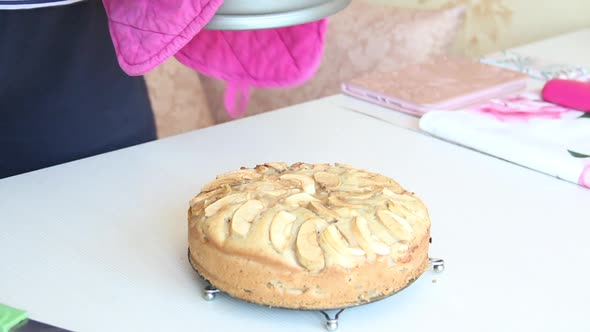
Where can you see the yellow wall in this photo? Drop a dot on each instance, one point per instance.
(493, 25)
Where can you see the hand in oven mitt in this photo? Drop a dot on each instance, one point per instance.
(146, 33)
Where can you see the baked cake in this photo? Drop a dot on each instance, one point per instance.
(307, 236)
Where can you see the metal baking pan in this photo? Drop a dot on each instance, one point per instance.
(265, 14)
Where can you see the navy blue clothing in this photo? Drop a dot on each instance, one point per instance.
(63, 95)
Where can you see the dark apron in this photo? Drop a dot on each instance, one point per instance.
(62, 94)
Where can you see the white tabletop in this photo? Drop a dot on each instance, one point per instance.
(100, 244)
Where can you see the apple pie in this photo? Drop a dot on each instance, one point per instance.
(307, 236)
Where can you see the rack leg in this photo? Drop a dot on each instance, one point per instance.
(332, 323)
(437, 264)
(210, 292)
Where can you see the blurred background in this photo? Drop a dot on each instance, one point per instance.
(372, 35)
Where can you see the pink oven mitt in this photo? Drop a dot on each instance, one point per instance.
(261, 58)
(147, 32)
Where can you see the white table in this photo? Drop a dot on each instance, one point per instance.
(100, 244)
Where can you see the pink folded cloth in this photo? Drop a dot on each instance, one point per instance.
(147, 32)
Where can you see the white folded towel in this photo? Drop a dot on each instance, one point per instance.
(523, 130)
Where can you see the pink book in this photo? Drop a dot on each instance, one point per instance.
(445, 83)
